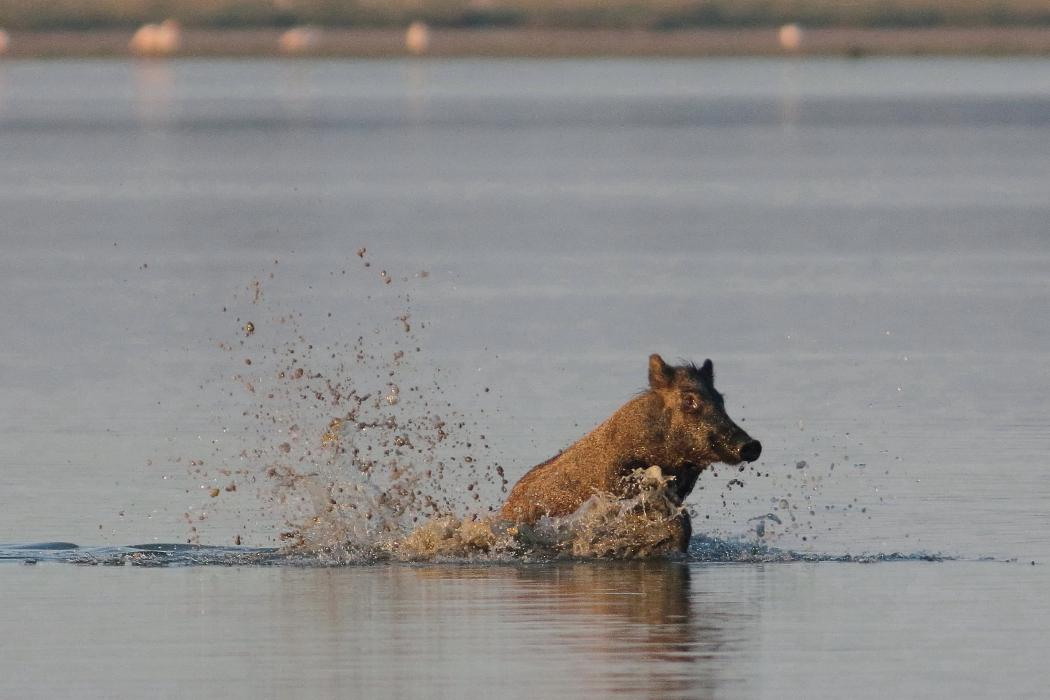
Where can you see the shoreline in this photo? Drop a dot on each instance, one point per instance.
(550, 43)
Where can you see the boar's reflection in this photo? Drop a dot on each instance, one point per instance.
(635, 626)
(640, 615)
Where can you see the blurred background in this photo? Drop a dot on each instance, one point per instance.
(522, 27)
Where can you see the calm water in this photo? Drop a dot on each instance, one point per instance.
(860, 247)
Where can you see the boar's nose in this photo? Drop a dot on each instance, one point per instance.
(750, 451)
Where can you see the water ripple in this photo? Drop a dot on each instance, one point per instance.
(701, 550)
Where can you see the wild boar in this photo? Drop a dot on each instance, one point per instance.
(679, 424)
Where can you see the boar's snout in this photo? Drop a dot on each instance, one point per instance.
(750, 451)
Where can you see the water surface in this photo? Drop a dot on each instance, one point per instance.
(860, 247)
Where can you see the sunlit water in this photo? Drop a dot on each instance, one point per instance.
(860, 247)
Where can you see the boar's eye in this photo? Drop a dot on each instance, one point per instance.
(691, 404)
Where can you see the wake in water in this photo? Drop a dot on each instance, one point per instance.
(701, 549)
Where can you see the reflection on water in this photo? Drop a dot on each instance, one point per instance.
(639, 629)
(790, 93)
(636, 629)
(572, 630)
(297, 91)
(639, 619)
(154, 84)
(3, 80)
(419, 89)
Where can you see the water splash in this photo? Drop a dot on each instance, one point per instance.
(351, 446)
(353, 451)
(701, 550)
(650, 524)
(347, 443)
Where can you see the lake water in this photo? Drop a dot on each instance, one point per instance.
(861, 247)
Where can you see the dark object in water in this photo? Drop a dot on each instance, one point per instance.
(679, 425)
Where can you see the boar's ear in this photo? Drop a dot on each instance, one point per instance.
(660, 374)
(708, 370)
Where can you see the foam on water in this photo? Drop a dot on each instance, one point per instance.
(604, 527)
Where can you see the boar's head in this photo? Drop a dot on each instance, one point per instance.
(699, 430)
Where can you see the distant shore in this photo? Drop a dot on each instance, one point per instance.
(447, 43)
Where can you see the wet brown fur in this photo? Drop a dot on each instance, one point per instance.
(678, 424)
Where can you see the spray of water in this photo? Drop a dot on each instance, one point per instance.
(348, 443)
